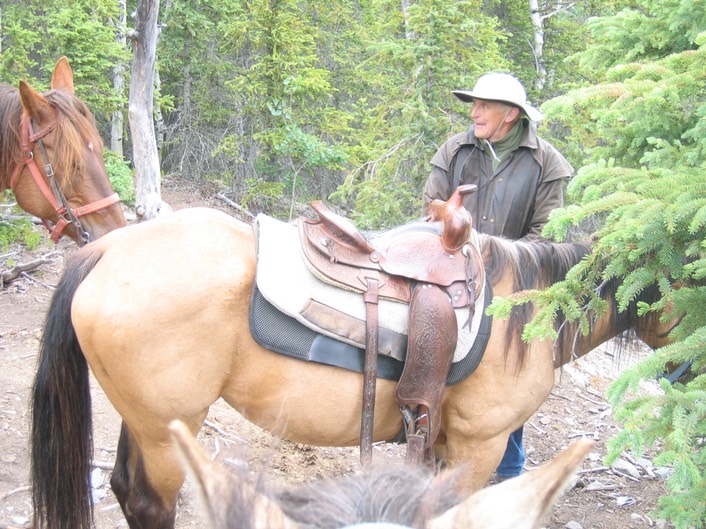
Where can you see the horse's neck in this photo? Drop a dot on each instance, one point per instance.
(572, 344)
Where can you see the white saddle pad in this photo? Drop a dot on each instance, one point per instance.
(284, 279)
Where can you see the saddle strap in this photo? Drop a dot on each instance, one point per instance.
(371, 299)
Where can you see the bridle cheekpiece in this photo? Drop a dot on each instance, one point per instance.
(50, 188)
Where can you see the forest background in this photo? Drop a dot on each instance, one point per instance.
(282, 101)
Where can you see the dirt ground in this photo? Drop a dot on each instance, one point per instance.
(602, 498)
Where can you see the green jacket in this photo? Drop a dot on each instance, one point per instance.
(513, 201)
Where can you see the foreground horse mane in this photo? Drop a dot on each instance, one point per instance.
(386, 495)
(401, 494)
(75, 127)
(396, 494)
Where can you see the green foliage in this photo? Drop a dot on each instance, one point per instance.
(673, 419)
(639, 135)
(647, 114)
(645, 31)
(19, 231)
(652, 232)
(120, 176)
(264, 196)
(35, 34)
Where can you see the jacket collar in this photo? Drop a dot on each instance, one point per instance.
(529, 137)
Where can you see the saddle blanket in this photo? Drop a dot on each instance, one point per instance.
(285, 283)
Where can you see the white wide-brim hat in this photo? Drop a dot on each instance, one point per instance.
(500, 87)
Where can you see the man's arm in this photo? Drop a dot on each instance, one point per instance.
(550, 196)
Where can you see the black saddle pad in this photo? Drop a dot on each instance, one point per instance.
(282, 334)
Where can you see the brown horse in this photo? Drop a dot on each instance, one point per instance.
(159, 311)
(51, 157)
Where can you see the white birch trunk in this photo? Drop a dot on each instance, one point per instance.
(538, 44)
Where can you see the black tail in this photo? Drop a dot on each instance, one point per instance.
(62, 428)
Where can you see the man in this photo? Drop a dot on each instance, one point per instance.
(520, 179)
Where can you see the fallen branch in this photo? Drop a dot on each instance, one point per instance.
(221, 196)
(595, 435)
(537, 428)
(15, 491)
(592, 470)
(593, 401)
(7, 276)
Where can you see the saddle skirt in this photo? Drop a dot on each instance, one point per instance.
(286, 281)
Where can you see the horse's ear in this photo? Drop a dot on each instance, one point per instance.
(34, 103)
(519, 503)
(63, 78)
(223, 495)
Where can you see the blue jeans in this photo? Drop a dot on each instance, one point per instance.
(514, 459)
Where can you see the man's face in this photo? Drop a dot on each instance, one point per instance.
(492, 119)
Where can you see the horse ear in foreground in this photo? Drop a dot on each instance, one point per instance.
(401, 495)
(51, 157)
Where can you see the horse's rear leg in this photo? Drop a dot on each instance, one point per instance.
(143, 505)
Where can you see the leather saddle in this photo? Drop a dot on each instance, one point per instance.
(433, 266)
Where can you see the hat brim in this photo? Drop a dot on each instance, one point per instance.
(467, 96)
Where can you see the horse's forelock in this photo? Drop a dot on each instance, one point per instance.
(75, 128)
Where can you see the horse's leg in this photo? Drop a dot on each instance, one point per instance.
(146, 480)
(482, 412)
(478, 457)
(141, 504)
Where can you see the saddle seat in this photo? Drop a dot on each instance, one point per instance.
(436, 251)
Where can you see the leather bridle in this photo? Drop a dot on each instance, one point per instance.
(50, 188)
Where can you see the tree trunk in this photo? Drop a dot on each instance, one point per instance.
(116, 122)
(160, 127)
(538, 44)
(149, 202)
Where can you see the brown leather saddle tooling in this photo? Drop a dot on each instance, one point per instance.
(435, 269)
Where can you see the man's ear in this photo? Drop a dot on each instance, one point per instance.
(513, 115)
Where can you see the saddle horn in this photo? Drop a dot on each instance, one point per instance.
(456, 221)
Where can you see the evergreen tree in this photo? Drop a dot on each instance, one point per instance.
(639, 136)
(35, 34)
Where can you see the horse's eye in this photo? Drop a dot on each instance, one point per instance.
(90, 146)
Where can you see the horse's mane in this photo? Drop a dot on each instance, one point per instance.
(533, 266)
(10, 112)
(538, 265)
(75, 127)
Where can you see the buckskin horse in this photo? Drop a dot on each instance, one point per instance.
(160, 313)
(51, 157)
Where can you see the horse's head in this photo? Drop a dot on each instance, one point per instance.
(60, 175)
(384, 497)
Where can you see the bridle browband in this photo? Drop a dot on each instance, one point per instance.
(50, 188)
